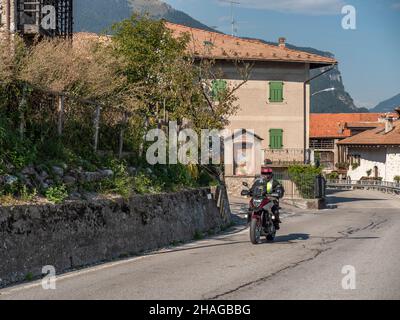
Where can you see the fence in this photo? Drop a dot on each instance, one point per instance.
(302, 187)
(44, 115)
(365, 184)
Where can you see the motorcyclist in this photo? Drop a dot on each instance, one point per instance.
(272, 186)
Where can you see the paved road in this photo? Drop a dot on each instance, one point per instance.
(305, 262)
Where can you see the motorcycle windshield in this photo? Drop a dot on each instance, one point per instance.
(259, 191)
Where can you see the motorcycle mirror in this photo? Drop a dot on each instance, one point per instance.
(245, 192)
(245, 184)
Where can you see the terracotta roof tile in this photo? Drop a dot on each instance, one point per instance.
(375, 137)
(215, 45)
(338, 125)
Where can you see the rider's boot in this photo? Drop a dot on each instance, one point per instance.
(277, 220)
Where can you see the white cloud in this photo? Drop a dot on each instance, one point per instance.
(310, 7)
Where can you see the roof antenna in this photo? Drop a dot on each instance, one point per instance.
(233, 22)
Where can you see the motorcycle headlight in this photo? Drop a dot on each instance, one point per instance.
(257, 203)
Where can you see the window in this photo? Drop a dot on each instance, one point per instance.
(218, 88)
(276, 91)
(276, 138)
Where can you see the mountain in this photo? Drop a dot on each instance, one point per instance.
(98, 15)
(335, 101)
(387, 105)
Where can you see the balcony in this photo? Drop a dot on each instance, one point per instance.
(285, 157)
(322, 144)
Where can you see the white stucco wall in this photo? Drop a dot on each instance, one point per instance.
(392, 163)
(387, 160)
(369, 159)
(257, 113)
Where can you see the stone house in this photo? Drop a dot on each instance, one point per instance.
(374, 153)
(275, 101)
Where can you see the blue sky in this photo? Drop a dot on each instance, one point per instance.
(368, 56)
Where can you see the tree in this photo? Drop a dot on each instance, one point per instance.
(175, 82)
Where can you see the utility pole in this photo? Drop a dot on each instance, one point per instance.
(231, 2)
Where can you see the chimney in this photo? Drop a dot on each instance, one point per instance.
(282, 42)
(397, 110)
(388, 120)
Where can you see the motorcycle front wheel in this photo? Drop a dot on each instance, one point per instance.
(271, 234)
(255, 231)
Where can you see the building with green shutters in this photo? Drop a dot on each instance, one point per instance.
(274, 104)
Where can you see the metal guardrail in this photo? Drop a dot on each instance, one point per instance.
(373, 184)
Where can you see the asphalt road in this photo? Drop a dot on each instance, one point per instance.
(305, 262)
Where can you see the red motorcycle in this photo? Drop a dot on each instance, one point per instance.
(261, 210)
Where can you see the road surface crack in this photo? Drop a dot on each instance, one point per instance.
(346, 234)
(266, 278)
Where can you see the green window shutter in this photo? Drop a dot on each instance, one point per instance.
(276, 138)
(276, 91)
(218, 87)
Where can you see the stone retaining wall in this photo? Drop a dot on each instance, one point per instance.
(76, 234)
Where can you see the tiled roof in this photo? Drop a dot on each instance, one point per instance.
(338, 125)
(353, 125)
(83, 37)
(375, 137)
(215, 45)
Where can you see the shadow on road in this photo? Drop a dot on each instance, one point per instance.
(292, 237)
(345, 238)
(197, 247)
(336, 200)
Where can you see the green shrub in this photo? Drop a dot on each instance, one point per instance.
(198, 235)
(343, 165)
(304, 178)
(397, 179)
(206, 180)
(28, 195)
(142, 183)
(56, 194)
(120, 183)
(333, 175)
(15, 151)
(29, 276)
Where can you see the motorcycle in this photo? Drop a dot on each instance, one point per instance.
(262, 216)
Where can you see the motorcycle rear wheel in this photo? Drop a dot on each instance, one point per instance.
(255, 231)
